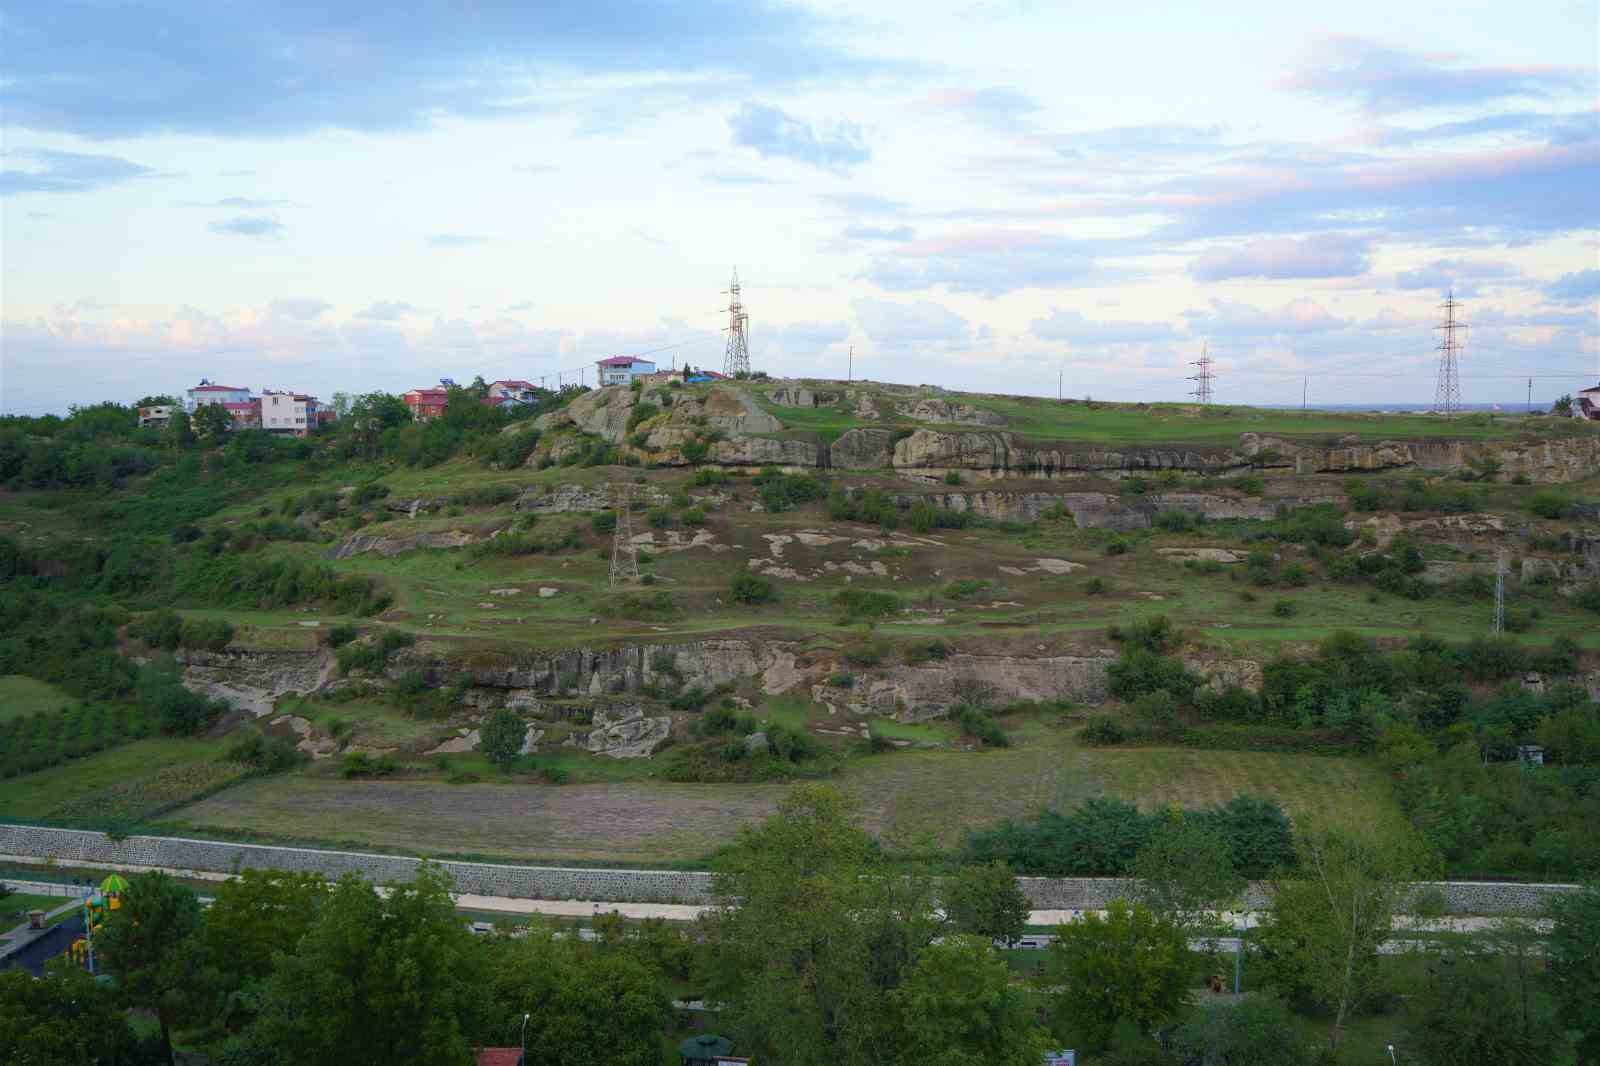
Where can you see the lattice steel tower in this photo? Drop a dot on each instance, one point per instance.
(737, 359)
(624, 554)
(1203, 375)
(1447, 397)
(1499, 624)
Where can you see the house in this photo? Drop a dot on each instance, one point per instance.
(1586, 404)
(288, 413)
(510, 392)
(206, 392)
(622, 369)
(157, 416)
(426, 404)
(246, 415)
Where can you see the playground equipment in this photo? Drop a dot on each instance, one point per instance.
(97, 906)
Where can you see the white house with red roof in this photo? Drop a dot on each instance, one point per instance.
(1587, 404)
(622, 369)
(509, 392)
(206, 392)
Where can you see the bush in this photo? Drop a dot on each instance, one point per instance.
(604, 522)
(1116, 547)
(1550, 504)
(694, 516)
(922, 651)
(751, 589)
(965, 589)
(1103, 729)
(861, 605)
(1140, 671)
(1284, 608)
(952, 477)
(975, 722)
(342, 634)
(1095, 586)
(373, 655)
(865, 653)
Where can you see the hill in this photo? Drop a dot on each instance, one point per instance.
(952, 602)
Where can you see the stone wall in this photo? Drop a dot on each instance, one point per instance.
(71, 846)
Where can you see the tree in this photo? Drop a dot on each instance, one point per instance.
(251, 917)
(179, 433)
(1130, 964)
(1185, 873)
(958, 1007)
(600, 1008)
(149, 944)
(1476, 1008)
(1573, 953)
(751, 589)
(161, 400)
(1562, 407)
(1257, 1031)
(375, 980)
(986, 901)
(67, 1019)
(502, 737)
(211, 422)
(1331, 913)
(791, 945)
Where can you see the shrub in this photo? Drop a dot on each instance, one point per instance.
(865, 653)
(694, 516)
(1116, 547)
(964, 589)
(976, 723)
(861, 605)
(921, 651)
(659, 517)
(751, 589)
(1177, 522)
(1140, 671)
(1094, 586)
(1250, 485)
(604, 522)
(1103, 729)
(1550, 504)
(1284, 608)
(952, 477)
(842, 680)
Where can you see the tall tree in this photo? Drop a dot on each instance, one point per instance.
(179, 433)
(253, 916)
(1484, 1006)
(375, 980)
(150, 945)
(1256, 1031)
(1129, 965)
(67, 1019)
(1573, 951)
(211, 422)
(792, 942)
(985, 900)
(502, 737)
(1330, 914)
(1185, 872)
(959, 1007)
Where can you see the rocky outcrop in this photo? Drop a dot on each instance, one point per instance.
(603, 412)
(951, 414)
(1096, 510)
(387, 546)
(731, 410)
(915, 693)
(1543, 462)
(803, 396)
(563, 498)
(764, 451)
(627, 733)
(933, 453)
(862, 449)
(253, 680)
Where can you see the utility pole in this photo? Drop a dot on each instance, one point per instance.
(1530, 395)
(1305, 385)
(850, 367)
(624, 555)
(1447, 396)
(1061, 382)
(1202, 379)
(1499, 625)
(736, 360)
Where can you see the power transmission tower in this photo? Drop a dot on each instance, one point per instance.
(1447, 397)
(737, 359)
(1499, 625)
(1202, 378)
(624, 555)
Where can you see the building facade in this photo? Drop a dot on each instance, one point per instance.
(206, 392)
(510, 392)
(157, 416)
(622, 369)
(246, 415)
(426, 404)
(1586, 404)
(288, 413)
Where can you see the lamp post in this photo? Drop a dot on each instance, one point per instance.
(522, 1059)
(1392, 1060)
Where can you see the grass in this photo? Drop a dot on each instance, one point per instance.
(40, 795)
(642, 821)
(15, 907)
(21, 696)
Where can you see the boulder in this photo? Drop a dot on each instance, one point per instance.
(756, 744)
(763, 451)
(862, 449)
(736, 411)
(626, 733)
(954, 414)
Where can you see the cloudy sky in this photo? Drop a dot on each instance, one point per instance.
(981, 194)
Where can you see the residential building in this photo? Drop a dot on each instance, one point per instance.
(509, 392)
(289, 413)
(206, 392)
(426, 404)
(1586, 404)
(622, 369)
(157, 416)
(246, 415)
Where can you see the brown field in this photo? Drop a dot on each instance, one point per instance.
(940, 793)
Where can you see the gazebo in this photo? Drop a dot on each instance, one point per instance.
(703, 1050)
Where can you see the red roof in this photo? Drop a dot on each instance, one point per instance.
(515, 383)
(429, 395)
(499, 1056)
(621, 360)
(217, 388)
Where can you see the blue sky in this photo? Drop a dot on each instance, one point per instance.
(341, 197)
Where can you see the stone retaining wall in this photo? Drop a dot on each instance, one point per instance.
(69, 846)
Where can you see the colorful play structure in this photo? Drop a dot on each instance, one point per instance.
(97, 906)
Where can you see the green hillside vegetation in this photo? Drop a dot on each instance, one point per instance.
(117, 542)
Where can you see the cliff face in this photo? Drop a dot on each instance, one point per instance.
(1097, 510)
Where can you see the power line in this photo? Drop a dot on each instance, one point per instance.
(1447, 395)
(736, 360)
(624, 553)
(1202, 380)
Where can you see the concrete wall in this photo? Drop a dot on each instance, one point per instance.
(70, 846)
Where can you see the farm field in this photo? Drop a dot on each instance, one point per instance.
(642, 822)
(123, 783)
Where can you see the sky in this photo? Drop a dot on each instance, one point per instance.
(992, 195)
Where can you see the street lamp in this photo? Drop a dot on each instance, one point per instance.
(523, 1058)
(1392, 1061)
